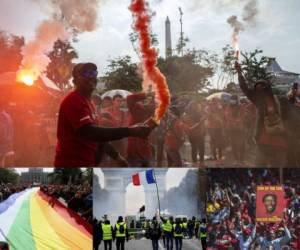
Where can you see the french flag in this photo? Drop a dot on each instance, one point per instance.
(145, 177)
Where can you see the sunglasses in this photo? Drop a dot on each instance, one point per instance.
(90, 73)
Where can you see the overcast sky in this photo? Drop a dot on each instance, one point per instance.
(135, 196)
(277, 31)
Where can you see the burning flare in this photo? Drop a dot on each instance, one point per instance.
(151, 73)
(237, 28)
(250, 11)
(26, 77)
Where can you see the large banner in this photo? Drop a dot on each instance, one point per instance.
(270, 203)
(33, 220)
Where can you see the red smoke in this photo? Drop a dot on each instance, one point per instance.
(149, 55)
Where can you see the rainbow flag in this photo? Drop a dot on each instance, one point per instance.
(32, 220)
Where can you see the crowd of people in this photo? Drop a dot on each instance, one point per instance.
(171, 231)
(78, 198)
(8, 189)
(251, 128)
(38, 123)
(223, 131)
(231, 210)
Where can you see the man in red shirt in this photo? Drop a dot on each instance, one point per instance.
(78, 133)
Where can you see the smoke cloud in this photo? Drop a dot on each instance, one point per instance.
(181, 200)
(249, 14)
(68, 18)
(35, 60)
(78, 14)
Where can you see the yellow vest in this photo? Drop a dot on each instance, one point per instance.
(203, 227)
(167, 226)
(178, 234)
(118, 233)
(107, 232)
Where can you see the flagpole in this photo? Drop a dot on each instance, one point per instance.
(157, 192)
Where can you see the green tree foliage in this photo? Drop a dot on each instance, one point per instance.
(185, 73)
(182, 43)
(222, 65)
(134, 39)
(60, 67)
(9, 175)
(66, 176)
(122, 74)
(87, 176)
(254, 66)
(10, 52)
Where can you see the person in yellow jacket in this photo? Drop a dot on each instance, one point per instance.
(168, 231)
(185, 226)
(178, 230)
(121, 233)
(203, 233)
(107, 233)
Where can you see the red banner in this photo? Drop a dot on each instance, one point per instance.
(270, 203)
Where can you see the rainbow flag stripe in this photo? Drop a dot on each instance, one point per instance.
(31, 220)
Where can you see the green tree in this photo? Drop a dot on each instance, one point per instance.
(185, 73)
(182, 43)
(9, 175)
(65, 176)
(59, 70)
(87, 176)
(122, 74)
(134, 39)
(10, 52)
(253, 65)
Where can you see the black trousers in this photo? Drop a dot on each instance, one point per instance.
(198, 147)
(96, 244)
(155, 245)
(178, 243)
(120, 243)
(107, 244)
(169, 241)
(203, 242)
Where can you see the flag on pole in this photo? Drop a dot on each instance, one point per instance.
(142, 209)
(145, 177)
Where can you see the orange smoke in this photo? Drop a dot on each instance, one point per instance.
(149, 55)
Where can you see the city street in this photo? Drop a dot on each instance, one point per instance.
(146, 245)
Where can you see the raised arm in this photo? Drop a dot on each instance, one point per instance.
(242, 82)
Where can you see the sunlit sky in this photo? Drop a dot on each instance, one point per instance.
(135, 197)
(20, 170)
(276, 32)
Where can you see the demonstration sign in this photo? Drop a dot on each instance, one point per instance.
(270, 203)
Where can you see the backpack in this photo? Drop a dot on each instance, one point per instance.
(154, 231)
(178, 229)
(122, 229)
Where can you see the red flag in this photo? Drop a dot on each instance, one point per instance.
(136, 179)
